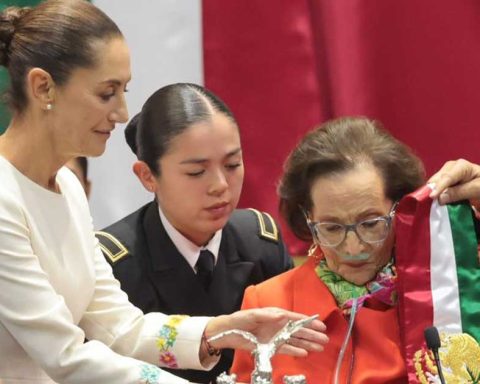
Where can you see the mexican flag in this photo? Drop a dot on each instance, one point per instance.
(438, 285)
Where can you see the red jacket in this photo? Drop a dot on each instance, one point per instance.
(374, 355)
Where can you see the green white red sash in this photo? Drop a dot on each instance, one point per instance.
(438, 271)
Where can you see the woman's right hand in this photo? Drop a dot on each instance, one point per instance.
(264, 323)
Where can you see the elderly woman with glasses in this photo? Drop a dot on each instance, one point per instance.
(340, 189)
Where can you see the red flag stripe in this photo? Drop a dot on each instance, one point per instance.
(415, 298)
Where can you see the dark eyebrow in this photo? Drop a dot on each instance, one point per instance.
(113, 81)
(234, 152)
(200, 161)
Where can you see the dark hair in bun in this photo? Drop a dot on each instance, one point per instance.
(131, 133)
(166, 114)
(9, 18)
(56, 35)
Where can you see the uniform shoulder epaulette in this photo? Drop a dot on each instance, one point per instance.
(267, 228)
(111, 247)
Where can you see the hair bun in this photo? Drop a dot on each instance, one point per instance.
(9, 19)
(131, 133)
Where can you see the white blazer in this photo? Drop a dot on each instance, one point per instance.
(56, 290)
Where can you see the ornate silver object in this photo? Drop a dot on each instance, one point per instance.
(297, 379)
(227, 379)
(263, 352)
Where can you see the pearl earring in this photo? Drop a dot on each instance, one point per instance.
(49, 107)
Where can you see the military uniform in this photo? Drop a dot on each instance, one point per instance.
(157, 278)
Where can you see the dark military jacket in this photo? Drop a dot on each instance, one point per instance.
(157, 278)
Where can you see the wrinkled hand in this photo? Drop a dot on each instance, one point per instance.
(457, 180)
(264, 323)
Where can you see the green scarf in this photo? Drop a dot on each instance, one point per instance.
(382, 287)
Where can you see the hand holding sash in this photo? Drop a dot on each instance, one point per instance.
(457, 180)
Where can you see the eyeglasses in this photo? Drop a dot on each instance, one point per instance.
(370, 231)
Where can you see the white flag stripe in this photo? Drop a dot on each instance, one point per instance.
(443, 268)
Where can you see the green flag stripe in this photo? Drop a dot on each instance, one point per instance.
(468, 268)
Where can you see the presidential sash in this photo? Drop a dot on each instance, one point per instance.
(438, 284)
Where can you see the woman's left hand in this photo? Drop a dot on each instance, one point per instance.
(457, 180)
(264, 323)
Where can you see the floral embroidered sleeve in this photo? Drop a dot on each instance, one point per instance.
(166, 339)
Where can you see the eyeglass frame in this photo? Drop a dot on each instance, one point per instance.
(351, 227)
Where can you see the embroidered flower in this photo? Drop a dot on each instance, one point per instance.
(150, 374)
(166, 337)
(176, 319)
(168, 359)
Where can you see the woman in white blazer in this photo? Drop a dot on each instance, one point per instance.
(69, 66)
